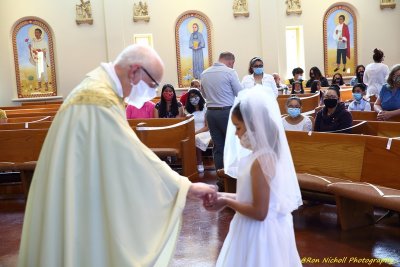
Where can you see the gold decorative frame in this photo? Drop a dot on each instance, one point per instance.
(183, 52)
(330, 18)
(27, 85)
(388, 4)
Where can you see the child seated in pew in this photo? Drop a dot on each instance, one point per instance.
(3, 116)
(295, 121)
(196, 106)
(297, 88)
(359, 103)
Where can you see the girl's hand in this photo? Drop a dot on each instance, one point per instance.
(217, 205)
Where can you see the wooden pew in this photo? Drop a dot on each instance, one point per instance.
(26, 125)
(51, 106)
(369, 116)
(167, 139)
(31, 112)
(376, 128)
(30, 119)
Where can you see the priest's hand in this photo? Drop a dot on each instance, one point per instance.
(217, 205)
(205, 192)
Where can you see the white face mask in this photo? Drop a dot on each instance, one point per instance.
(140, 94)
(245, 141)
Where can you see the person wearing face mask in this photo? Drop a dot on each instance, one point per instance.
(316, 75)
(99, 196)
(359, 78)
(337, 79)
(257, 76)
(388, 102)
(295, 121)
(359, 103)
(193, 84)
(333, 117)
(168, 107)
(297, 88)
(196, 106)
(297, 76)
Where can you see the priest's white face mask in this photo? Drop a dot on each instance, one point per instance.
(141, 92)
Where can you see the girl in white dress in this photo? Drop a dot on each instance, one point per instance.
(261, 232)
(196, 105)
(295, 121)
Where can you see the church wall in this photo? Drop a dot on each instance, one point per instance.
(78, 49)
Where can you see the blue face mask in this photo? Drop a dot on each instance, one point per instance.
(293, 112)
(357, 96)
(258, 71)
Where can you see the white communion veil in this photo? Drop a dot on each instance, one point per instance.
(261, 115)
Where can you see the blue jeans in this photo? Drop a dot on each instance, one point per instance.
(217, 123)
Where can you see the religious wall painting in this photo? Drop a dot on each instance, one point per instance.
(340, 41)
(33, 47)
(84, 13)
(387, 4)
(293, 7)
(193, 46)
(141, 11)
(240, 8)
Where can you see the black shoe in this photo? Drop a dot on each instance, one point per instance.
(344, 69)
(336, 69)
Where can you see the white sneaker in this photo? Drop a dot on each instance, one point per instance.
(200, 168)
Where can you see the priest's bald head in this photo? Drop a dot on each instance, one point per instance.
(138, 63)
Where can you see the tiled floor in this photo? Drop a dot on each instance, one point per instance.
(318, 236)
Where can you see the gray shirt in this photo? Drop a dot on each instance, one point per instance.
(220, 84)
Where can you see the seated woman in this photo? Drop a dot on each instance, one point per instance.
(168, 107)
(193, 84)
(333, 116)
(297, 88)
(3, 116)
(315, 86)
(337, 79)
(359, 102)
(257, 76)
(388, 103)
(196, 106)
(295, 121)
(145, 112)
(316, 75)
(359, 78)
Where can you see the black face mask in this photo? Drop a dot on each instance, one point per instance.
(337, 81)
(330, 103)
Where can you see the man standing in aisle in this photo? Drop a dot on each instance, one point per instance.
(220, 85)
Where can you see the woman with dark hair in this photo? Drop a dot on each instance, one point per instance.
(196, 106)
(359, 78)
(257, 76)
(376, 73)
(315, 86)
(388, 103)
(337, 79)
(333, 116)
(316, 75)
(168, 107)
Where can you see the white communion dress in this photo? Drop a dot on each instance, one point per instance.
(268, 243)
